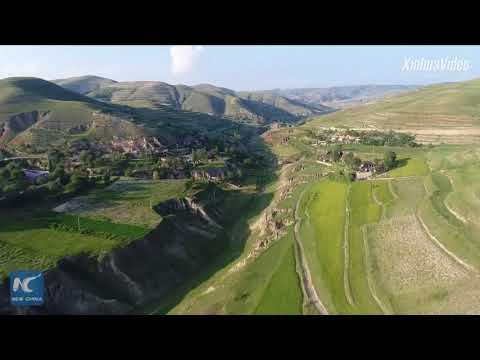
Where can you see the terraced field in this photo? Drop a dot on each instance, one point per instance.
(401, 244)
(379, 256)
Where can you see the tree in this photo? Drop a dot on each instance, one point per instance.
(55, 185)
(195, 157)
(78, 182)
(349, 160)
(349, 176)
(106, 178)
(202, 155)
(58, 173)
(55, 157)
(86, 158)
(390, 160)
(336, 153)
(379, 166)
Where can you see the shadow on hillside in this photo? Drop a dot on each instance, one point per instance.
(401, 163)
(233, 210)
(234, 240)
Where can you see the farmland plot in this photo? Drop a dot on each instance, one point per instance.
(322, 235)
(408, 265)
(333, 237)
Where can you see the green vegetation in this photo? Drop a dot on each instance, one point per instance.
(404, 242)
(130, 201)
(282, 295)
(56, 236)
(389, 160)
(336, 235)
(406, 165)
(323, 237)
(363, 211)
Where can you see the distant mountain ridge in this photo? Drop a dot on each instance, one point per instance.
(202, 98)
(337, 96)
(84, 84)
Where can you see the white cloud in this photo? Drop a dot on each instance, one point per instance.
(184, 58)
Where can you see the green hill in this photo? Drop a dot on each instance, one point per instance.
(38, 113)
(35, 114)
(84, 84)
(447, 113)
(203, 98)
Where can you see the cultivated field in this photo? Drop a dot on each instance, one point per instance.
(405, 243)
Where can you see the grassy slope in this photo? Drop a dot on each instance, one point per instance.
(129, 201)
(204, 99)
(238, 292)
(437, 113)
(18, 251)
(282, 295)
(109, 218)
(67, 110)
(322, 237)
(266, 285)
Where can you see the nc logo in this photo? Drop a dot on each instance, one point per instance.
(26, 288)
(19, 283)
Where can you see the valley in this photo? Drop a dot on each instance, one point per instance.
(150, 198)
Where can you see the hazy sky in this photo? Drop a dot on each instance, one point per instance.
(240, 67)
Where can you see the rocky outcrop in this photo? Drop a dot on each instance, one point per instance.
(20, 122)
(187, 239)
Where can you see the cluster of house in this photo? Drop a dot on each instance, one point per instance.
(136, 146)
(213, 174)
(338, 139)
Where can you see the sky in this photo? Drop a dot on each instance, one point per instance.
(244, 67)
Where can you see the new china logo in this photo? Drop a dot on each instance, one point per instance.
(26, 288)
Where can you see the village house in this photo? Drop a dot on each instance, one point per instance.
(214, 174)
(136, 146)
(365, 170)
(345, 139)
